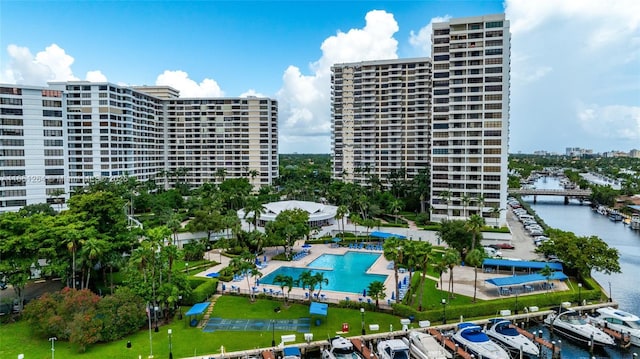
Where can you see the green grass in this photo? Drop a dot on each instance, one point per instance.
(16, 338)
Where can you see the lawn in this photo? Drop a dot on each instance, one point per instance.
(16, 338)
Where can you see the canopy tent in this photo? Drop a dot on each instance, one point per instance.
(385, 235)
(318, 308)
(524, 279)
(520, 265)
(198, 308)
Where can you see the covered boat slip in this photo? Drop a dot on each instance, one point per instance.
(511, 285)
(496, 265)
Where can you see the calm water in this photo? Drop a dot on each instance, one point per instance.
(335, 267)
(584, 222)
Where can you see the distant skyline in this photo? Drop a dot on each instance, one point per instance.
(575, 68)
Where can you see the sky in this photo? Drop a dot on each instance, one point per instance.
(575, 64)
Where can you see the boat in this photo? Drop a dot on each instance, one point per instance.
(635, 221)
(425, 346)
(505, 333)
(291, 353)
(572, 325)
(620, 321)
(393, 349)
(340, 348)
(471, 338)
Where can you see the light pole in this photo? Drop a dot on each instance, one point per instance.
(170, 348)
(362, 322)
(186, 265)
(516, 311)
(579, 293)
(273, 333)
(179, 307)
(155, 317)
(444, 311)
(53, 346)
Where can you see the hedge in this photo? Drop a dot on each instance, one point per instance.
(202, 292)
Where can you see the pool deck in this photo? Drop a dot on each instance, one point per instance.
(463, 276)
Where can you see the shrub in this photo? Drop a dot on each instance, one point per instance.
(202, 292)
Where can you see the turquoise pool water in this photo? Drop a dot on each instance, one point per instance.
(346, 273)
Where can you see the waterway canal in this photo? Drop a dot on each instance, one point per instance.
(577, 218)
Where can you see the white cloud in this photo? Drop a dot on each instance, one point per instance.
(52, 64)
(189, 88)
(421, 40)
(611, 122)
(304, 100)
(252, 93)
(572, 52)
(95, 76)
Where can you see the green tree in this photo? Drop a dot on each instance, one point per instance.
(392, 251)
(455, 235)
(474, 225)
(475, 258)
(422, 252)
(306, 280)
(377, 290)
(284, 281)
(584, 254)
(547, 273)
(289, 226)
(451, 258)
(341, 212)
(320, 279)
(445, 196)
(253, 209)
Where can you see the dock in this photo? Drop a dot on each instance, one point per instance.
(542, 342)
(623, 339)
(449, 344)
(362, 349)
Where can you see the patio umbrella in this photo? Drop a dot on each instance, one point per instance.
(364, 292)
(393, 295)
(264, 259)
(306, 246)
(336, 239)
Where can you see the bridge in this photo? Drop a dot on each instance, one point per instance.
(566, 193)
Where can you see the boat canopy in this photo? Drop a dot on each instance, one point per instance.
(524, 279)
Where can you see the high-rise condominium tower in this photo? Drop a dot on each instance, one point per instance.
(470, 127)
(380, 119)
(54, 140)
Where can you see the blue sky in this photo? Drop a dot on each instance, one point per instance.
(575, 63)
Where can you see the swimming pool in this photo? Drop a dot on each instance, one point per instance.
(346, 273)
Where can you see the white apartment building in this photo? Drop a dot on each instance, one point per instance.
(380, 119)
(32, 146)
(57, 139)
(223, 138)
(470, 127)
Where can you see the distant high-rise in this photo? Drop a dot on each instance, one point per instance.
(470, 127)
(381, 114)
(54, 140)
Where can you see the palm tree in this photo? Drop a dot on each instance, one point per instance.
(392, 251)
(305, 279)
(395, 206)
(377, 290)
(451, 258)
(446, 197)
(474, 225)
(480, 201)
(320, 279)
(441, 267)
(465, 199)
(284, 281)
(547, 272)
(475, 258)
(253, 209)
(341, 212)
(495, 213)
(92, 250)
(422, 252)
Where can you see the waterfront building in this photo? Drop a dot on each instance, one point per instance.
(381, 113)
(54, 140)
(32, 146)
(470, 127)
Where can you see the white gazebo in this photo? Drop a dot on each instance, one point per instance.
(320, 215)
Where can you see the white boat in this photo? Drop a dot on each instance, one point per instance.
(340, 348)
(393, 349)
(505, 334)
(573, 326)
(472, 339)
(291, 353)
(425, 346)
(619, 321)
